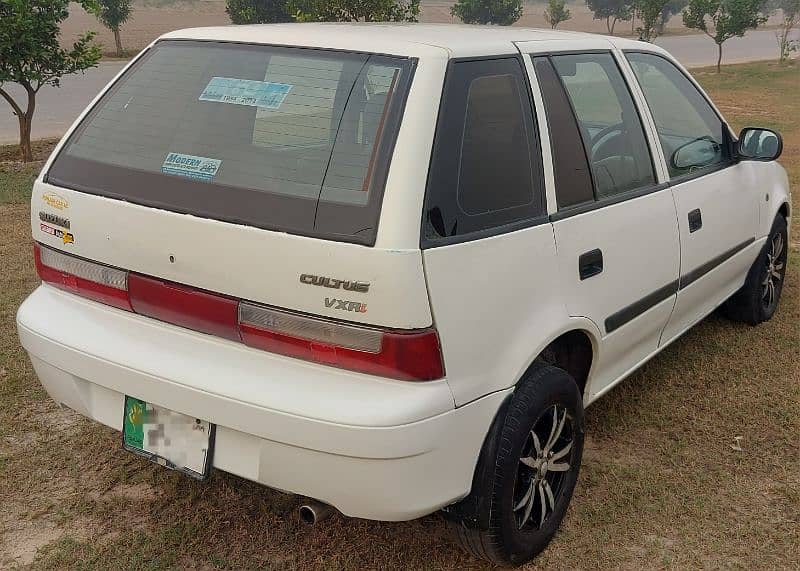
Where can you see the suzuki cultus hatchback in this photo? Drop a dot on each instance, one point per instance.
(386, 267)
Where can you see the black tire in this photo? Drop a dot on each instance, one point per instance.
(486, 523)
(758, 299)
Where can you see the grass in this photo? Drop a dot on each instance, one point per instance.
(661, 486)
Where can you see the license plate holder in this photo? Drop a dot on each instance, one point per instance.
(168, 438)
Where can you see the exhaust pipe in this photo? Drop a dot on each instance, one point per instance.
(312, 512)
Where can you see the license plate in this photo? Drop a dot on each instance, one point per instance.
(168, 438)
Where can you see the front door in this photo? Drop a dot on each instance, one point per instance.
(715, 198)
(615, 228)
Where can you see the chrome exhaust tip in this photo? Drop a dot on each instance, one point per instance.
(312, 512)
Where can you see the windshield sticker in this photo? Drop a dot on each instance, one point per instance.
(263, 94)
(190, 166)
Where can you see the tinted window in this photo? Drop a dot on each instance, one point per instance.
(486, 164)
(573, 178)
(290, 139)
(609, 123)
(681, 113)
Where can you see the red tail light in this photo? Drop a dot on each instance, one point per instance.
(407, 356)
(88, 279)
(184, 306)
(403, 355)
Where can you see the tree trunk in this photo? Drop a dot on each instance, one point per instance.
(719, 57)
(118, 42)
(25, 124)
(613, 24)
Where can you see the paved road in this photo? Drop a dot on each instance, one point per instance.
(56, 109)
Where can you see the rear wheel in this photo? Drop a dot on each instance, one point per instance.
(527, 471)
(758, 299)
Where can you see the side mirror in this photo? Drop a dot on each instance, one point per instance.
(696, 154)
(756, 144)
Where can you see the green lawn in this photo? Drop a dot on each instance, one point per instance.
(661, 486)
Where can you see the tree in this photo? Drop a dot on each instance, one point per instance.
(501, 12)
(30, 54)
(790, 17)
(649, 12)
(611, 10)
(355, 10)
(556, 12)
(721, 20)
(258, 11)
(672, 7)
(114, 13)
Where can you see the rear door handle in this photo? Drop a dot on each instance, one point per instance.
(695, 220)
(590, 264)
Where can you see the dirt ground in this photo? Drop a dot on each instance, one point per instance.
(150, 20)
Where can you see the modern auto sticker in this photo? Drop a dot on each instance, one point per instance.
(190, 166)
(263, 94)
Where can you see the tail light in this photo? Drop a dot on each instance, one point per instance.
(88, 279)
(407, 355)
(403, 355)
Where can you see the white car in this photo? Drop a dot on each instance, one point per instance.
(386, 267)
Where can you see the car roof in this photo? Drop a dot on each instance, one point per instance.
(406, 39)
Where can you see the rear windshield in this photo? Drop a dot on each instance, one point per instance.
(290, 139)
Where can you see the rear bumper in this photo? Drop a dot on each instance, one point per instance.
(373, 448)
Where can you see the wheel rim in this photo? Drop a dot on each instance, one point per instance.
(546, 459)
(775, 267)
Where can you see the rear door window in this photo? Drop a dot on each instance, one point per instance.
(291, 139)
(609, 123)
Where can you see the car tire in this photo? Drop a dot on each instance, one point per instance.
(758, 299)
(518, 499)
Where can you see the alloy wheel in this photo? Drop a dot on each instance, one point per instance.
(546, 459)
(775, 266)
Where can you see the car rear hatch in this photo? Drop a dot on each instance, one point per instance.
(228, 179)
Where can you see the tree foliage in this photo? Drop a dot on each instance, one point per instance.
(611, 10)
(501, 12)
(355, 10)
(112, 14)
(31, 56)
(722, 20)
(649, 12)
(258, 11)
(790, 18)
(671, 8)
(556, 12)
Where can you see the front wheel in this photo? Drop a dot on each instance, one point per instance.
(527, 471)
(758, 299)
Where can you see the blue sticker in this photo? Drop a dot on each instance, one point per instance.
(247, 92)
(190, 166)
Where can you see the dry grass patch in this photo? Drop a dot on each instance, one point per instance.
(665, 482)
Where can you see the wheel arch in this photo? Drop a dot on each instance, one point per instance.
(573, 349)
(784, 210)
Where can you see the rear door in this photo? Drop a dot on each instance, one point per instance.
(614, 220)
(717, 199)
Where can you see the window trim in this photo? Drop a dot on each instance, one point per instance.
(535, 137)
(730, 137)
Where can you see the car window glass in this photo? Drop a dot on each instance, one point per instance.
(682, 115)
(486, 163)
(612, 132)
(571, 172)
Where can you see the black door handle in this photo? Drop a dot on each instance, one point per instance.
(590, 264)
(695, 220)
